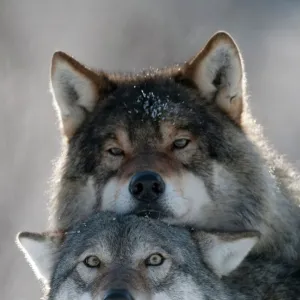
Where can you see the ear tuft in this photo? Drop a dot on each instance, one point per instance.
(224, 252)
(75, 90)
(40, 250)
(218, 72)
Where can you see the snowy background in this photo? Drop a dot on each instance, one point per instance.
(122, 35)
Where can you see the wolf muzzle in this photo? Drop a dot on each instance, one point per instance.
(118, 295)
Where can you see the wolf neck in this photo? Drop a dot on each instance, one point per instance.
(271, 283)
(282, 224)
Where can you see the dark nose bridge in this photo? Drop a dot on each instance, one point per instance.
(147, 161)
(119, 277)
(154, 161)
(120, 281)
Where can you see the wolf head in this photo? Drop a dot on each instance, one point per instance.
(131, 258)
(165, 143)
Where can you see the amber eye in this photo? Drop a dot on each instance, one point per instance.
(92, 261)
(154, 260)
(180, 143)
(115, 151)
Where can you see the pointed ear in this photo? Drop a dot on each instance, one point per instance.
(40, 251)
(218, 72)
(75, 89)
(224, 252)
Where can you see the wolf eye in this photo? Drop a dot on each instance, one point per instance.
(115, 151)
(155, 260)
(180, 143)
(92, 261)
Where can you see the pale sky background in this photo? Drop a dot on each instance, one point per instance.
(122, 35)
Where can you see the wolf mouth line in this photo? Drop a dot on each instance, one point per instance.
(153, 214)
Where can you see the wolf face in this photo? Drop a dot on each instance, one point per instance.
(131, 258)
(166, 143)
(176, 144)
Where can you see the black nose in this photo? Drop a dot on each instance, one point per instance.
(146, 186)
(118, 295)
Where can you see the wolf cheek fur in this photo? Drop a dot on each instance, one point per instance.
(144, 259)
(177, 143)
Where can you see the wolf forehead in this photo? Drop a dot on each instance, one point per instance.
(143, 100)
(111, 229)
(154, 97)
(149, 110)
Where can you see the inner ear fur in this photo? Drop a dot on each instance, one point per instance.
(218, 73)
(76, 89)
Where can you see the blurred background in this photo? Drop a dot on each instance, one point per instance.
(122, 35)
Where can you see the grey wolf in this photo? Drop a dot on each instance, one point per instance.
(132, 258)
(178, 144)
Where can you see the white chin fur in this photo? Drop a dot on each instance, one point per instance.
(187, 201)
(116, 198)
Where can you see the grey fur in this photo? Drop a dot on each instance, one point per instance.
(243, 183)
(122, 243)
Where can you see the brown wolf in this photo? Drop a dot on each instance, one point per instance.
(177, 144)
